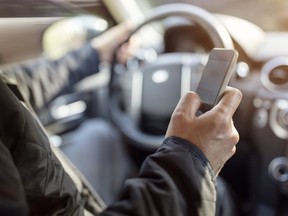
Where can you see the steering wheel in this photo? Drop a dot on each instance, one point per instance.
(154, 87)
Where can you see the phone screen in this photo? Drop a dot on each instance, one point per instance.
(208, 88)
(216, 75)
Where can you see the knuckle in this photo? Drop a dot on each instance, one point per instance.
(238, 93)
(219, 121)
(178, 114)
(222, 111)
(235, 138)
(233, 151)
(235, 93)
(192, 97)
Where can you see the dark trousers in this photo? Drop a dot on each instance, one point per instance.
(97, 150)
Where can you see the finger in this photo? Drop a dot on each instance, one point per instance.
(133, 45)
(230, 101)
(121, 31)
(189, 103)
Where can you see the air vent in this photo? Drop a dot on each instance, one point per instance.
(279, 75)
(274, 74)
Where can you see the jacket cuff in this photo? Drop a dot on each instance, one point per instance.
(193, 149)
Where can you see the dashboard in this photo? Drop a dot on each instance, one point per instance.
(262, 117)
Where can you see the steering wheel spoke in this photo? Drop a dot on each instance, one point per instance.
(153, 83)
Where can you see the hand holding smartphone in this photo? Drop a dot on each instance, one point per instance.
(216, 75)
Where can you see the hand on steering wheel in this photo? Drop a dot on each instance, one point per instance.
(151, 99)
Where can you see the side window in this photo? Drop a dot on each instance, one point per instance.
(24, 24)
(33, 8)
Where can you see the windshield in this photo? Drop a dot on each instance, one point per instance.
(270, 15)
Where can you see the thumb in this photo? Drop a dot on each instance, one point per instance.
(189, 103)
(230, 101)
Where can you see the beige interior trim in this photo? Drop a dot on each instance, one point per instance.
(124, 9)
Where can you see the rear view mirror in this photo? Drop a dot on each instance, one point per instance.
(71, 33)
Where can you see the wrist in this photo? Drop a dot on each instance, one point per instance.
(194, 150)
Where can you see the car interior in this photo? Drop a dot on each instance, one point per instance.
(139, 96)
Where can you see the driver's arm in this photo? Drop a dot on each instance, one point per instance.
(176, 180)
(41, 80)
(179, 179)
(13, 200)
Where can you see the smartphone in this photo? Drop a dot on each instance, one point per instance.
(216, 75)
